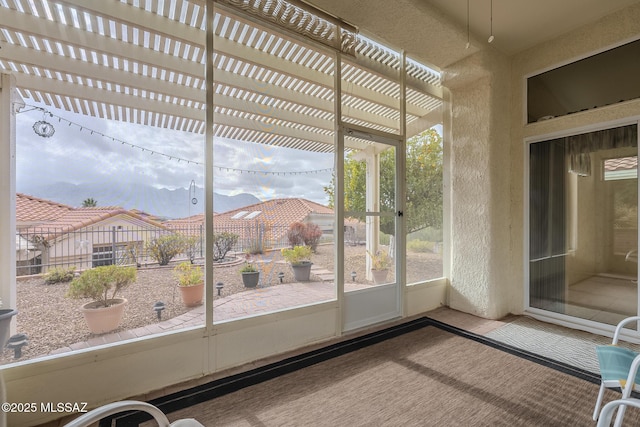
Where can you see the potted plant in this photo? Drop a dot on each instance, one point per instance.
(300, 259)
(102, 284)
(190, 282)
(380, 263)
(250, 275)
(6, 314)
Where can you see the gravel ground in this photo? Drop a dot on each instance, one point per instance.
(51, 320)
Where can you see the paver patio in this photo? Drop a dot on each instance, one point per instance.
(235, 306)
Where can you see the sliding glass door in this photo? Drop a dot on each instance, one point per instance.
(583, 225)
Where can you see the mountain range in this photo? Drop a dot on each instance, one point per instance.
(161, 202)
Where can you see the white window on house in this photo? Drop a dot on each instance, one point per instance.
(239, 214)
(102, 255)
(253, 215)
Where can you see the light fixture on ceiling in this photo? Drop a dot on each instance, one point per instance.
(468, 42)
(491, 35)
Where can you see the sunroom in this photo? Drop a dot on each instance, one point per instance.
(281, 98)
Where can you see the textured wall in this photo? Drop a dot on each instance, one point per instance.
(480, 97)
(488, 134)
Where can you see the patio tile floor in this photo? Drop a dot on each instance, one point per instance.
(243, 304)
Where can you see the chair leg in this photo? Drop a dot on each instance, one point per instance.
(598, 402)
(620, 415)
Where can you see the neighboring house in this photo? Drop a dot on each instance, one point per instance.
(192, 225)
(55, 235)
(262, 224)
(32, 211)
(265, 224)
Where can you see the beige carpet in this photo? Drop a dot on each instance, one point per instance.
(428, 377)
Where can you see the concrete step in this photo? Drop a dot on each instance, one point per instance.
(324, 274)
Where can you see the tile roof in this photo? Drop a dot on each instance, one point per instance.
(74, 219)
(193, 223)
(279, 213)
(30, 210)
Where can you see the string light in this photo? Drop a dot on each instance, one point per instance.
(172, 157)
(491, 36)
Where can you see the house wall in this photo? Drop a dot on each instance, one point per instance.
(611, 31)
(159, 363)
(479, 191)
(65, 252)
(487, 158)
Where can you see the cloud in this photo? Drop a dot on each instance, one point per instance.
(90, 150)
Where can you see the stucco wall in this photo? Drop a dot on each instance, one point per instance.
(487, 148)
(611, 31)
(479, 147)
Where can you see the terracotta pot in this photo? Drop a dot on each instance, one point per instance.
(192, 295)
(102, 319)
(379, 276)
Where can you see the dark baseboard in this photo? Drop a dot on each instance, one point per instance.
(202, 393)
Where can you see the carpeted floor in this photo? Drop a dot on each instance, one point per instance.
(427, 377)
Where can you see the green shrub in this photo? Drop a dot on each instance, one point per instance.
(191, 245)
(248, 268)
(297, 254)
(385, 239)
(99, 282)
(164, 248)
(429, 234)
(222, 244)
(188, 274)
(420, 246)
(59, 275)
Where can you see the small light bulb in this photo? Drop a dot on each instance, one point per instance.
(490, 38)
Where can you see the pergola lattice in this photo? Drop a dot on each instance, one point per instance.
(143, 61)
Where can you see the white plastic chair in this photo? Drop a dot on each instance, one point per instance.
(618, 367)
(609, 409)
(86, 420)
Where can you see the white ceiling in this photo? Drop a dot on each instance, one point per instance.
(435, 31)
(521, 24)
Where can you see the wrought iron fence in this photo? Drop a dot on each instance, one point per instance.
(41, 249)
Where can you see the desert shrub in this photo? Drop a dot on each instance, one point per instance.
(295, 234)
(59, 275)
(420, 246)
(191, 246)
(164, 248)
(312, 235)
(429, 234)
(385, 239)
(102, 283)
(255, 234)
(222, 244)
(301, 234)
